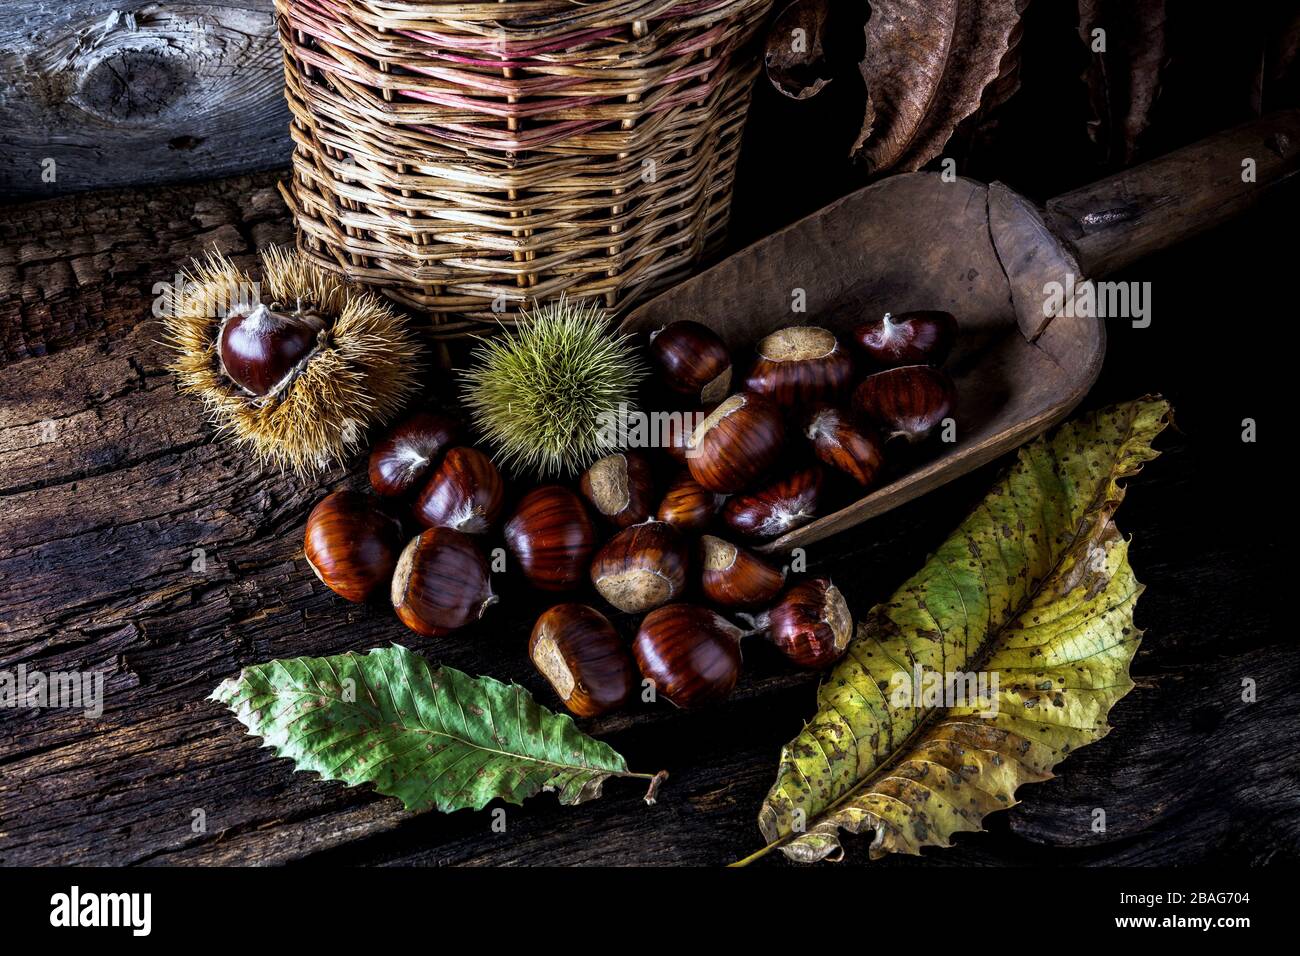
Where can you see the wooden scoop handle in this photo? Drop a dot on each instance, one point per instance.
(1116, 221)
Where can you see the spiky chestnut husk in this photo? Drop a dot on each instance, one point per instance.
(363, 368)
(547, 394)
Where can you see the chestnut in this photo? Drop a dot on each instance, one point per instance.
(923, 337)
(691, 653)
(465, 493)
(641, 567)
(261, 350)
(677, 434)
(811, 624)
(734, 577)
(906, 402)
(441, 582)
(552, 538)
(800, 365)
(737, 442)
(352, 544)
(620, 487)
(845, 446)
(688, 505)
(775, 508)
(583, 658)
(692, 360)
(406, 453)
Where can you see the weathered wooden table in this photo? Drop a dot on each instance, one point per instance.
(110, 484)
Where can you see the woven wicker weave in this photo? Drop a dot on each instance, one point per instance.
(463, 155)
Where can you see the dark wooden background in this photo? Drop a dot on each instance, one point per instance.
(109, 481)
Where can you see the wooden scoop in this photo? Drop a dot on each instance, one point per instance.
(987, 255)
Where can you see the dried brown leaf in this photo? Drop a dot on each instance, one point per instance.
(795, 55)
(1123, 78)
(927, 66)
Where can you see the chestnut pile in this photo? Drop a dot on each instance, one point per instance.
(653, 535)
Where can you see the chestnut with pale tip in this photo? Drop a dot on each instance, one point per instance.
(810, 624)
(692, 360)
(552, 538)
(352, 544)
(260, 349)
(464, 493)
(642, 567)
(690, 653)
(735, 577)
(688, 505)
(620, 487)
(584, 659)
(801, 365)
(737, 442)
(845, 446)
(408, 451)
(923, 337)
(906, 402)
(777, 507)
(441, 583)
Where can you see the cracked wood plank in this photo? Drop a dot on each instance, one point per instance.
(97, 93)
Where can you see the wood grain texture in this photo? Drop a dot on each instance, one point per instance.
(109, 482)
(115, 93)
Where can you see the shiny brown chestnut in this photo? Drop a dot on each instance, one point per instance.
(844, 445)
(690, 653)
(906, 402)
(642, 567)
(551, 536)
(408, 451)
(810, 624)
(620, 487)
(583, 658)
(692, 360)
(688, 505)
(464, 493)
(777, 507)
(801, 365)
(260, 349)
(441, 583)
(352, 544)
(734, 577)
(924, 337)
(736, 443)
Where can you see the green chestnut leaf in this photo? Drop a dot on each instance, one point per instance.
(433, 737)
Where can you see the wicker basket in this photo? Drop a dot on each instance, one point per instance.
(469, 158)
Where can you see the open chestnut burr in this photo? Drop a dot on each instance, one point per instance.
(352, 544)
(800, 365)
(552, 538)
(691, 653)
(620, 487)
(441, 583)
(583, 658)
(642, 567)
